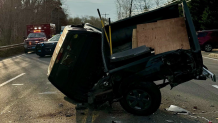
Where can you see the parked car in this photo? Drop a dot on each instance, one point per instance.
(208, 39)
(62, 29)
(47, 48)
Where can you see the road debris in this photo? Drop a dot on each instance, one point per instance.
(201, 118)
(60, 105)
(195, 107)
(116, 121)
(169, 121)
(68, 115)
(206, 119)
(178, 110)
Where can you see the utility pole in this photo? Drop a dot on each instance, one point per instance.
(105, 15)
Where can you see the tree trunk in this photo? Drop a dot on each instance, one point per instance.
(130, 10)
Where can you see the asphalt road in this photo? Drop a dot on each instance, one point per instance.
(207, 53)
(27, 96)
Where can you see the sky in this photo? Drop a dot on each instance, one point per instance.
(89, 7)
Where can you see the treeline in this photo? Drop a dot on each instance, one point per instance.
(128, 8)
(16, 14)
(204, 14)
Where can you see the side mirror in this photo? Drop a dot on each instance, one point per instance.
(24, 37)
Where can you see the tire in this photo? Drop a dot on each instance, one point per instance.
(25, 51)
(42, 55)
(208, 48)
(133, 103)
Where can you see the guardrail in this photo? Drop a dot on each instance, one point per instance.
(11, 46)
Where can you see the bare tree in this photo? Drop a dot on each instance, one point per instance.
(157, 2)
(95, 21)
(119, 10)
(124, 8)
(146, 4)
(130, 9)
(127, 8)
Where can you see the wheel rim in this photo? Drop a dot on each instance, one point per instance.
(138, 99)
(208, 47)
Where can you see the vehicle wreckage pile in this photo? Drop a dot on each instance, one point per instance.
(122, 61)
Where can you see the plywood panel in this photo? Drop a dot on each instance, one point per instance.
(134, 39)
(149, 35)
(164, 35)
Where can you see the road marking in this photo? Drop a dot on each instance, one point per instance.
(215, 86)
(210, 58)
(48, 93)
(11, 79)
(17, 84)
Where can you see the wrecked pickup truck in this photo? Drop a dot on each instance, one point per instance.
(122, 61)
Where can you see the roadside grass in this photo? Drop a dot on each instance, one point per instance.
(11, 52)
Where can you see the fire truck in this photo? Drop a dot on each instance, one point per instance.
(37, 33)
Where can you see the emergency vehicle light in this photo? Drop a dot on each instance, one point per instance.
(35, 31)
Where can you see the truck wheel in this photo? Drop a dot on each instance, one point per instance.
(141, 99)
(208, 47)
(25, 51)
(42, 55)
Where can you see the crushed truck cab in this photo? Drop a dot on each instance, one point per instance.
(122, 61)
